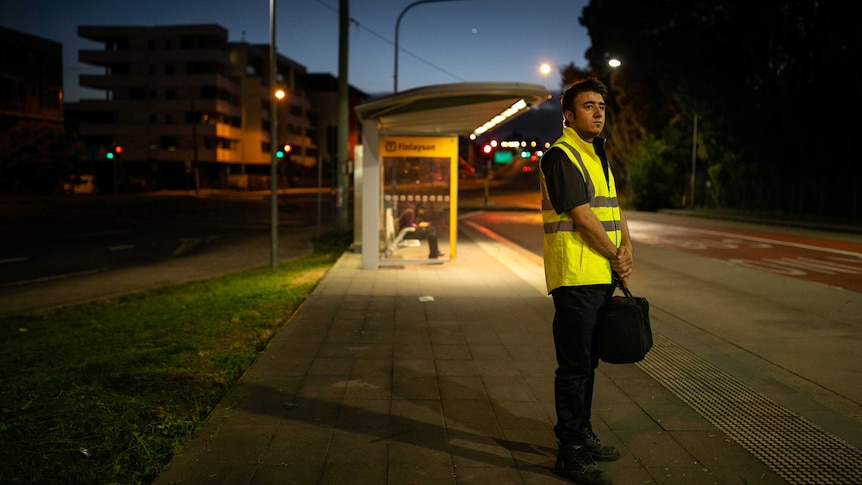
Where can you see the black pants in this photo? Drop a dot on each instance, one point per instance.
(428, 233)
(576, 310)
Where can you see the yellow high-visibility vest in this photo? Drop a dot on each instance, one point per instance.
(569, 261)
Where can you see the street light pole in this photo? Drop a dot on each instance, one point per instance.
(273, 133)
(693, 159)
(397, 27)
(615, 63)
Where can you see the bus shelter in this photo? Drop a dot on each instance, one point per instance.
(407, 165)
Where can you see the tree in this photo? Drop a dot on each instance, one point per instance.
(757, 74)
(33, 157)
(571, 73)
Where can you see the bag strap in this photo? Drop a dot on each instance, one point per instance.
(618, 283)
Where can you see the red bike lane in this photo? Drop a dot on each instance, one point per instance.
(832, 261)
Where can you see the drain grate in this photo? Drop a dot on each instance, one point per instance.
(796, 449)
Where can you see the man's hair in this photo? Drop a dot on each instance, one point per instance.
(588, 85)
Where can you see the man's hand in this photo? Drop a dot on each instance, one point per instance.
(594, 234)
(622, 263)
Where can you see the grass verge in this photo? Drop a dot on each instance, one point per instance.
(107, 392)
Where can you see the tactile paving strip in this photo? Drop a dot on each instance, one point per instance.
(796, 449)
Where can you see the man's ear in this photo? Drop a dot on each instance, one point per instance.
(569, 116)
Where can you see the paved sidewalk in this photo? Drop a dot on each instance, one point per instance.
(371, 384)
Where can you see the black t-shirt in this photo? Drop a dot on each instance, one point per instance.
(566, 185)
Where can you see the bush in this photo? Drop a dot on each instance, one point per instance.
(651, 176)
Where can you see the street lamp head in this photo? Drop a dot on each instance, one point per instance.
(614, 62)
(279, 94)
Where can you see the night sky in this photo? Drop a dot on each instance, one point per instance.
(441, 43)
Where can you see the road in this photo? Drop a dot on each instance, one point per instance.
(47, 239)
(72, 237)
(828, 258)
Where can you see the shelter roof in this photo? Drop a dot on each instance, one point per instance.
(451, 109)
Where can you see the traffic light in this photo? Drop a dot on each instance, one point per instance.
(114, 152)
(284, 151)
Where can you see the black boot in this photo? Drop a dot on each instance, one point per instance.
(575, 463)
(599, 452)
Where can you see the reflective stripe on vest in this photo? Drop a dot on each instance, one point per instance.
(569, 226)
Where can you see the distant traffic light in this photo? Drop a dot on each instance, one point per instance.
(284, 151)
(114, 152)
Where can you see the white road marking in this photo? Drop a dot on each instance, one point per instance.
(645, 232)
(843, 261)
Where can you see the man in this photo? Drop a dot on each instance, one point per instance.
(423, 230)
(586, 239)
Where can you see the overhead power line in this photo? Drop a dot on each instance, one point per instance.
(392, 43)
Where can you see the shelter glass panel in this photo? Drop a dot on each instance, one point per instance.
(417, 199)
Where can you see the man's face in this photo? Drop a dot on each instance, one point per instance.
(587, 116)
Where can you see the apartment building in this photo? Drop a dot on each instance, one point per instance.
(188, 107)
(31, 79)
(323, 92)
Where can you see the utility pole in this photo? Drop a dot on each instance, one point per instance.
(195, 120)
(273, 134)
(343, 115)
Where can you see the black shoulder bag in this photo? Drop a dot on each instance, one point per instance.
(624, 332)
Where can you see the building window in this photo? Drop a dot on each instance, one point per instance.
(119, 68)
(168, 143)
(137, 92)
